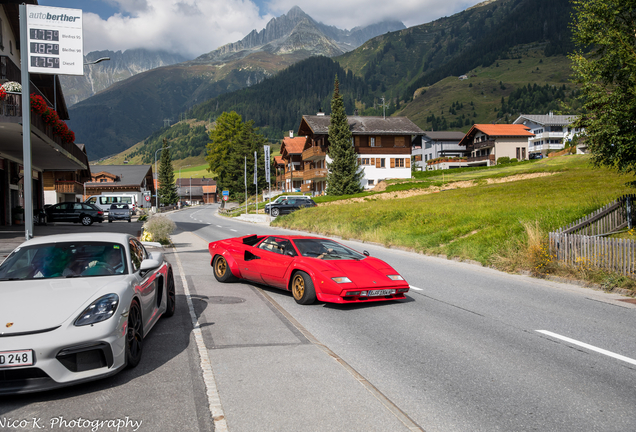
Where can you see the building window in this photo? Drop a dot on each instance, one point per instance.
(399, 163)
(371, 182)
(1, 35)
(372, 141)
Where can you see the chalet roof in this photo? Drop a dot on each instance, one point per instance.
(130, 175)
(496, 130)
(361, 125)
(292, 145)
(278, 160)
(444, 135)
(547, 120)
(508, 130)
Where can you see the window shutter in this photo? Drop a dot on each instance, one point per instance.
(357, 141)
(372, 161)
(378, 141)
(359, 161)
(399, 141)
(408, 162)
(392, 162)
(377, 163)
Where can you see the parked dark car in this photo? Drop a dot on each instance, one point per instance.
(289, 205)
(83, 213)
(119, 212)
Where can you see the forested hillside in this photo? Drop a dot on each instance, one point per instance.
(277, 104)
(398, 63)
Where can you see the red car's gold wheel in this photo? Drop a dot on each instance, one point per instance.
(221, 267)
(298, 287)
(302, 288)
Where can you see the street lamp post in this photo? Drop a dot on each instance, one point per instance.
(157, 174)
(190, 190)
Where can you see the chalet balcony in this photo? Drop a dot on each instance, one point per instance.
(11, 114)
(296, 175)
(484, 144)
(315, 174)
(69, 187)
(314, 153)
(487, 158)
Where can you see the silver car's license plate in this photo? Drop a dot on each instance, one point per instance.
(16, 358)
(375, 293)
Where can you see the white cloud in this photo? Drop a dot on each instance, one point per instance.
(190, 27)
(195, 27)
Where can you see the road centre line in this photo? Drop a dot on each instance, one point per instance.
(415, 288)
(232, 230)
(588, 346)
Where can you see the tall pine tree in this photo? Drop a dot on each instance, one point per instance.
(167, 188)
(344, 172)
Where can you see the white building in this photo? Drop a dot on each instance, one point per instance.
(435, 145)
(551, 132)
(383, 146)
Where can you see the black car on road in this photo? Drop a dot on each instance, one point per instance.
(289, 205)
(83, 213)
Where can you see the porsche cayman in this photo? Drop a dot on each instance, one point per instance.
(77, 307)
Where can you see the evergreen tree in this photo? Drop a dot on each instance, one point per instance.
(344, 173)
(167, 188)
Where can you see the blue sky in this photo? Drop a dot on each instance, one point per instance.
(195, 27)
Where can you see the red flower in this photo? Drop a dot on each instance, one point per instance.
(3, 93)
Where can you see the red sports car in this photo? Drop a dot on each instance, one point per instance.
(310, 267)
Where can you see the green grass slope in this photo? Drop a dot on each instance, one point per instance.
(485, 222)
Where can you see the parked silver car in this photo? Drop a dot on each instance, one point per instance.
(76, 307)
(119, 212)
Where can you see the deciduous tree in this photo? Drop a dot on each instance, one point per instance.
(605, 66)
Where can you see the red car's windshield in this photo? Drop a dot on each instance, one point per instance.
(326, 249)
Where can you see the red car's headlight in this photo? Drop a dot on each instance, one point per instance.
(341, 279)
(395, 277)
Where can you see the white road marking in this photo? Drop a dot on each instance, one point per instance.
(219, 226)
(415, 288)
(232, 230)
(214, 400)
(589, 347)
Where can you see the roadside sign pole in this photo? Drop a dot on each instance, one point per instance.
(26, 126)
(268, 177)
(256, 180)
(245, 176)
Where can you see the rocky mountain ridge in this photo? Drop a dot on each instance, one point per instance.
(297, 30)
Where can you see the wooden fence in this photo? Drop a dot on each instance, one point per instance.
(617, 255)
(583, 242)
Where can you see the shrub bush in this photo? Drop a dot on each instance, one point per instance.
(159, 227)
(503, 160)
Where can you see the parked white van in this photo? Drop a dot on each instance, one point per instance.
(105, 201)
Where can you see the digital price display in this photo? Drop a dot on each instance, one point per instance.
(45, 62)
(44, 48)
(56, 44)
(44, 35)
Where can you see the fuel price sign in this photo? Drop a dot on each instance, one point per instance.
(55, 40)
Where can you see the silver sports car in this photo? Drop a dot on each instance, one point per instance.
(77, 307)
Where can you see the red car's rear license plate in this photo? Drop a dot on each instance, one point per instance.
(16, 358)
(375, 293)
